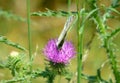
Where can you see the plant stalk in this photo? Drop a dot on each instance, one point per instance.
(80, 45)
(69, 3)
(29, 32)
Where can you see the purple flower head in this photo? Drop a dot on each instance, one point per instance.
(62, 55)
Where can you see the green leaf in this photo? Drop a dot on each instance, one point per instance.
(114, 10)
(114, 32)
(9, 15)
(10, 43)
(53, 13)
(115, 3)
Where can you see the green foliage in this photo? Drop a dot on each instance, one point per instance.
(9, 15)
(3, 39)
(93, 79)
(53, 13)
(106, 37)
(115, 3)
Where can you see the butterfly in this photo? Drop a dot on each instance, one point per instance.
(62, 36)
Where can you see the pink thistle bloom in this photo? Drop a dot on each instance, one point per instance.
(62, 55)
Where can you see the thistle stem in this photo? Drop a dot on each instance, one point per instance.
(29, 31)
(69, 3)
(80, 45)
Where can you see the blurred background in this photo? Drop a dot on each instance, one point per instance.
(45, 28)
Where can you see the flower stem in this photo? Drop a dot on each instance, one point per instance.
(69, 3)
(29, 32)
(80, 45)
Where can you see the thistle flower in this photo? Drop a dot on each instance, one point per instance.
(61, 55)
